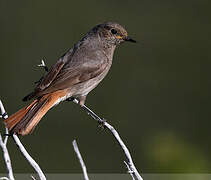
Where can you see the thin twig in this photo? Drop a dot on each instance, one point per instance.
(90, 112)
(132, 169)
(126, 151)
(3, 144)
(21, 148)
(4, 178)
(3, 112)
(83, 166)
(29, 158)
(6, 137)
(7, 159)
(33, 177)
(129, 170)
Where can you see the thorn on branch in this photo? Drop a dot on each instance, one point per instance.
(45, 68)
(43, 65)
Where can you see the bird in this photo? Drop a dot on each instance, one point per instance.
(74, 75)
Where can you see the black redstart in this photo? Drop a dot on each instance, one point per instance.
(75, 74)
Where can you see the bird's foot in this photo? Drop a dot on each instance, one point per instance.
(70, 99)
(102, 124)
(4, 116)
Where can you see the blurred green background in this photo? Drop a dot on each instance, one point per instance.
(157, 94)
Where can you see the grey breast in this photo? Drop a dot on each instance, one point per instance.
(92, 52)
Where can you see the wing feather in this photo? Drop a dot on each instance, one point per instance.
(72, 68)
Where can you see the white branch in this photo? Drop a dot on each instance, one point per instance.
(21, 148)
(7, 158)
(4, 178)
(131, 167)
(130, 163)
(3, 144)
(29, 158)
(3, 112)
(83, 166)
(6, 137)
(33, 177)
(129, 170)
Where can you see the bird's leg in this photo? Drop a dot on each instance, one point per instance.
(82, 100)
(101, 121)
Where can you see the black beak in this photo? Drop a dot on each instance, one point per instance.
(130, 39)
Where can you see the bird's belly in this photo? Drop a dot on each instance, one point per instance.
(82, 89)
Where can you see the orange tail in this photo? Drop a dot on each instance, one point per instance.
(24, 121)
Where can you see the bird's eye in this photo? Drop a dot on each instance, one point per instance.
(113, 31)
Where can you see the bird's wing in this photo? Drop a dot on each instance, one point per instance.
(50, 76)
(54, 71)
(75, 73)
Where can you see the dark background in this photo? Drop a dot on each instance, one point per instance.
(157, 94)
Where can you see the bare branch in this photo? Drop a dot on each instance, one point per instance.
(129, 170)
(4, 178)
(33, 178)
(3, 144)
(6, 137)
(126, 151)
(29, 158)
(21, 148)
(7, 158)
(3, 112)
(83, 166)
(132, 168)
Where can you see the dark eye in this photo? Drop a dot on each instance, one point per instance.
(113, 31)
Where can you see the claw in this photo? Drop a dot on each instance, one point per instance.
(70, 99)
(102, 124)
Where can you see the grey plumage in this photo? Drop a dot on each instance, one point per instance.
(91, 57)
(75, 74)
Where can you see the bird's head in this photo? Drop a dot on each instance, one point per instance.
(112, 33)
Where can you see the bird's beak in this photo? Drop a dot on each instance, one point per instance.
(130, 39)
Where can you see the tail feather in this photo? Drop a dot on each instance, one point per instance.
(24, 121)
(16, 117)
(23, 126)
